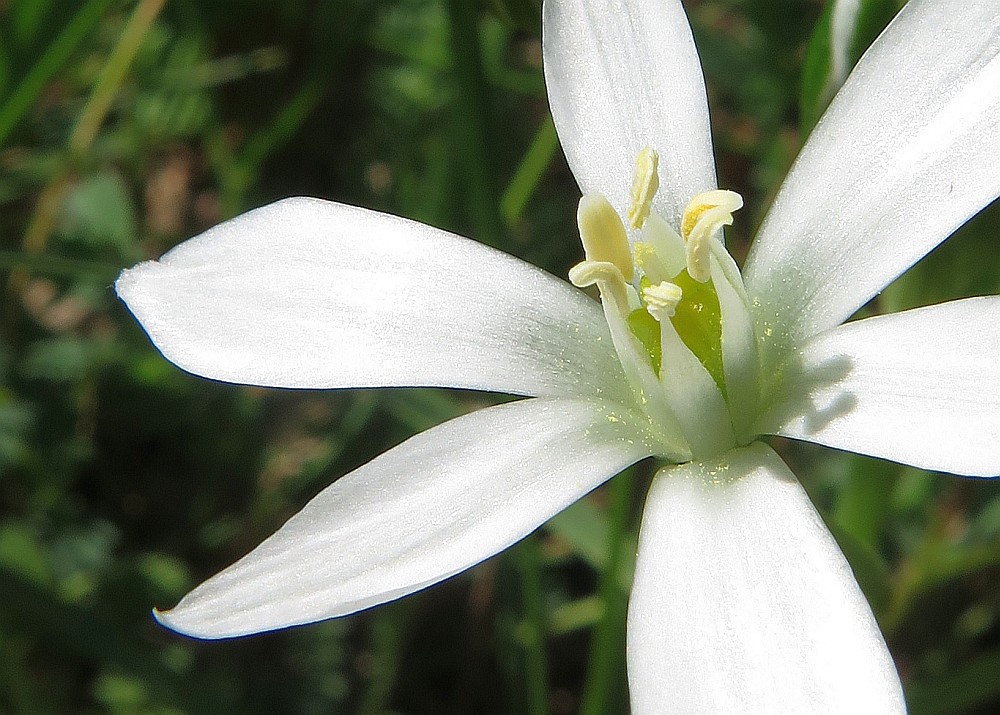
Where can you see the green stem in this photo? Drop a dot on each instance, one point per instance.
(58, 266)
(472, 125)
(52, 60)
(606, 656)
(529, 173)
(112, 75)
(533, 634)
(387, 627)
(241, 172)
(89, 123)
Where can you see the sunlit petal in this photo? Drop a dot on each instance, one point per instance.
(908, 151)
(622, 76)
(920, 387)
(433, 506)
(309, 293)
(739, 349)
(743, 603)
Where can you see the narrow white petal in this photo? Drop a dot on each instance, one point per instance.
(743, 603)
(908, 151)
(739, 349)
(309, 293)
(670, 251)
(623, 75)
(693, 396)
(920, 387)
(646, 387)
(433, 506)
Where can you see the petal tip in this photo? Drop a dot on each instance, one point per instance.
(172, 620)
(125, 284)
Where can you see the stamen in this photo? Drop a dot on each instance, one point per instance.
(604, 274)
(645, 182)
(718, 198)
(588, 273)
(603, 235)
(662, 299)
(707, 213)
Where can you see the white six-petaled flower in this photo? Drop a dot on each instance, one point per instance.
(742, 601)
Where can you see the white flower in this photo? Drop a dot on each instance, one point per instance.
(742, 601)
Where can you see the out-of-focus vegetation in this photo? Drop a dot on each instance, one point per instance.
(126, 127)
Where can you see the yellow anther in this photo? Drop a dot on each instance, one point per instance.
(719, 198)
(699, 259)
(662, 299)
(603, 234)
(645, 182)
(705, 214)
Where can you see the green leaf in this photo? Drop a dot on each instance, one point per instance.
(26, 18)
(49, 265)
(59, 359)
(23, 553)
(865, 501)
(529, 173)
(585, 528)
(844, 31)
(522, 14)
(49, 63)
(869, 569)
(971, 684)
(99, 212)
(816, 70)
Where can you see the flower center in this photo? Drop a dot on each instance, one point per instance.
(662, 294)
(668, 289)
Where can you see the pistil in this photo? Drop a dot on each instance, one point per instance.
(661, 301)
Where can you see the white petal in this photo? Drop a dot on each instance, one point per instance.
(433, 506)
(621, 76)
(920, 387)
(743, 603)
(670, 250)
(908, 151)
(646, 386)
(694, 397)
(308, 293)
(739, 349)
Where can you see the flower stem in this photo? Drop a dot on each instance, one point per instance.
(56, 55)
(534, 164)
(533, 634)
(606, 659)
(85, 131)
(472, 122)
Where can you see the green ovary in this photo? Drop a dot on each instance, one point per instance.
(645, 327)
(698, 322)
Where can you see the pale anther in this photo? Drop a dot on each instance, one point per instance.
(661, 299)
(604, 274)
(705, 214)
(603, 234)
(645, 182)
(730, 201)
(588, 273)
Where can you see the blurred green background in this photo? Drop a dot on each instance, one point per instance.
(126, 127)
